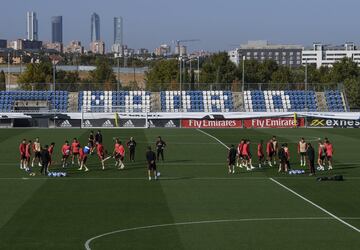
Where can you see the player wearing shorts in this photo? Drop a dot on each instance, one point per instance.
(151, 162)
(247, 155)
(119, 154)
(75, 146)
(321, 156)
(28, 155)
(37, 152)
(51, 151)
(260, 153)
(22, 151)
(100, 150)
(65, 151)
(232, 159)
(83, 158)
(302, 148)
(329, 153)
(270, 152)
(240, 160)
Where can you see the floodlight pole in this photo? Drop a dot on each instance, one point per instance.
(243, 82)
(306, 83)
(8, 73)
(118, 72)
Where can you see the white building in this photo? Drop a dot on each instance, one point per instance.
(325, 55)
(32, 28)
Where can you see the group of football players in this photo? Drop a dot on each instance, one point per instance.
(241, 156)
(33, 152)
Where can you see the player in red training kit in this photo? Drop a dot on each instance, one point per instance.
(22, 151)
(240, 159)
(247, 155)
(270, 151)
(329, 153)
(75, 146)
(83, 158)
(119, 154)
(101, 153)
(65, 150)
(260, 153)
(51, 151)
(28, 154)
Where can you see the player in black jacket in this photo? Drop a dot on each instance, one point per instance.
(151, 161)
(232, 159)
(131, 144)
(160, 146)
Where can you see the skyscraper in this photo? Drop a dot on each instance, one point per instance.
(32, 26)
(117, 47)
(95, 27)
(118, 30)
(56, 29)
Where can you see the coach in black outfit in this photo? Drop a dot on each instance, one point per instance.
(99, 137)
(160, 145)
(310, 152)
(45, 160)
(151, 161)
(131, 144)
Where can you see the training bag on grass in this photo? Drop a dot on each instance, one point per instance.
(331, 178)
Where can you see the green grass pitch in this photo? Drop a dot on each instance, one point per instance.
(196, 204)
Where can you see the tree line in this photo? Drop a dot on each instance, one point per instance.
(217, 71)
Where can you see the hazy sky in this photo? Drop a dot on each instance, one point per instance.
(218, 23)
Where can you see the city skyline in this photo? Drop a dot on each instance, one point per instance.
(220, 25)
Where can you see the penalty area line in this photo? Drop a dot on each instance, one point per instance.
(315, 205)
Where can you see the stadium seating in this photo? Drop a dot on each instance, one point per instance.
(8, 98)
(334, 101)
(114, 101)
(279, 101)
(196, 101)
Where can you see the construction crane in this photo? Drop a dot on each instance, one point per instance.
(179, 42)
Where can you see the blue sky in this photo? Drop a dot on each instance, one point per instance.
(219, 24)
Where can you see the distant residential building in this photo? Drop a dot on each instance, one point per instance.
(163, 50)
(32, 26)
(327, 55)
(3, 44)
(118, 49)
(56, 29)
(181, 50)
(54, 46)
(286, 55)
(142, 51)
(21, 44)
(97, 47)
(95, 27)
(74, 47)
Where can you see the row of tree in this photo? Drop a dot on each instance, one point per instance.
(218, 71)
(39, 75)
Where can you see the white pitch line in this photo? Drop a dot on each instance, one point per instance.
(315, 205)
(88, 242)
(216, 139)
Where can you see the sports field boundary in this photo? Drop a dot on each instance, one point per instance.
(89, 241)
